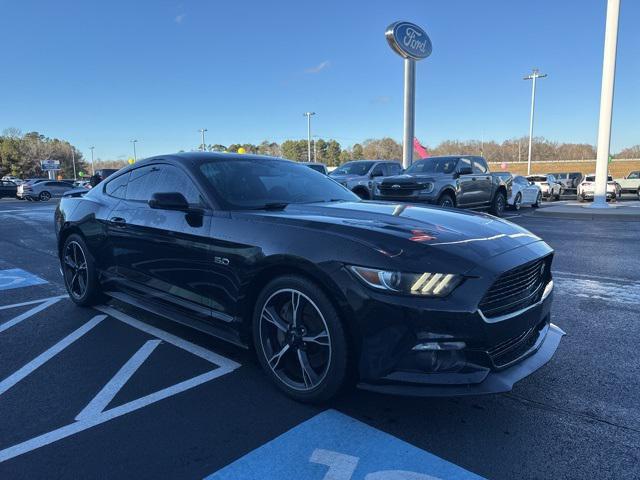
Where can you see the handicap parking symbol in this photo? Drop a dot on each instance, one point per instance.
(18, 278)
(333, 446)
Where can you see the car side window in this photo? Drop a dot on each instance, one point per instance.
(146, 181)
(551, 179)
(464, 163)
(479, 166)
(118, 186)
(142, 183)
(634, 175)
(378, 170)
(394, 168)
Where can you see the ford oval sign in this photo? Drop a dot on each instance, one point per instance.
(408, 40)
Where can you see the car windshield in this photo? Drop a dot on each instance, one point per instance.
(537, 178)
(256, 183)
(433, 165)
(353, 168)
(592, 178)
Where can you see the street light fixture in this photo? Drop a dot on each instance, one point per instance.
(203, 146)
(308, 115)
(535, 74)
(135, 156)
(93, 170)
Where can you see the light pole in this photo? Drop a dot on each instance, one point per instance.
(73, 160)
(308, 115)
(534, 76)
(202, 130)
(135, 156)
(93, 170)
(606, 103)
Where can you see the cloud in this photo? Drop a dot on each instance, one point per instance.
(180, 18)
(381, 100)
(318, 68)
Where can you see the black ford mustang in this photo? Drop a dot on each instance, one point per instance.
(328, 289)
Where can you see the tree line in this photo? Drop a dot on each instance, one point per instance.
(20, 154)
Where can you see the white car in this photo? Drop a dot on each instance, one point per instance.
(587, 188)
(524, 193)
(549, 186)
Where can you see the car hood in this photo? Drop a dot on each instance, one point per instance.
(409, 230)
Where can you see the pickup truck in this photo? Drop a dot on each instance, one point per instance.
(630, 183)
(462, 181)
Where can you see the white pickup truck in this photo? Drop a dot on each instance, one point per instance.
(630, 183)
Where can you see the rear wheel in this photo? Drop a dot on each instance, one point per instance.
(44, 196)
(517, 202)
(300, 340)
(499, 203)
(79, 271)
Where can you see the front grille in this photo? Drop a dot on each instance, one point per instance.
(516, 289)
(512, 350)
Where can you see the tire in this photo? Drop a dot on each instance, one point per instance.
(44, 196)
(446, 200)
(82, 283)
(517, 202)
(280, 342)
(638, 193)
(362, 193)
(498, 204)
(538, 201)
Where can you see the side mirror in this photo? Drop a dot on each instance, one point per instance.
(465, 171)
(169, 201)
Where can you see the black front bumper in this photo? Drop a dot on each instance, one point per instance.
(466, 383)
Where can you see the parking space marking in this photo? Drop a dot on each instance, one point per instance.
(93, 414)
(44, 303)
(48, 354)
(113, 386)
(334, 446)
(18, 278)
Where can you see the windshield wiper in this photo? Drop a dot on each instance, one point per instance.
(272, 206)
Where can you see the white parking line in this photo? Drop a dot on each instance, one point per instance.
(47, 355)
(113, 386)
(93, 414)
(46, 303)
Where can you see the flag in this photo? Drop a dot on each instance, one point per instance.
(417, 146)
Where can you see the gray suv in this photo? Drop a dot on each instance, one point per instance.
(358, 175)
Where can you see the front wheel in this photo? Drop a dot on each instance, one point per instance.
(538, 201)
(638, 193)
(498, 204)
(517, 202)
(79, 271)
(446, 201)
(300, 340)
(44, 196)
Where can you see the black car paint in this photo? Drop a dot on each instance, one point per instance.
(210, 268)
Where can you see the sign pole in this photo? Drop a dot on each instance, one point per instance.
(606, 103)
(409, 111)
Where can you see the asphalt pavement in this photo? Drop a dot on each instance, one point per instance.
(114, 392)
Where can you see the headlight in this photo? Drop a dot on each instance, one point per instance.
(425, 284)
(427, 188)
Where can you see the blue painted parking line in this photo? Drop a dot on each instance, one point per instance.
(333, 446)
(18, 278)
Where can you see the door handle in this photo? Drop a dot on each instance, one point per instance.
(118, 220)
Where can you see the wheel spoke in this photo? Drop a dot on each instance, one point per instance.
(295, 303)
(321, 339)
(68, 262)
(270, 315)
(309, 376)
(275, 360)
(82, 283)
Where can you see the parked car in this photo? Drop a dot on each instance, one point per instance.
(328, 289)
(318, 167)
(630, 183)
(358, 175)
(44, 191)
(8, 189)
(81, 184)
(551, 189)
(12, 178)
(450, 181)
(569, 181)
(523, 192)
(586, 189)
(26, 186)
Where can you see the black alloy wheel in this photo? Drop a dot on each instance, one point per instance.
(517, 202)
(499, 203)
(299, 339)
(44, 196)
(446, 201)
(79, 272)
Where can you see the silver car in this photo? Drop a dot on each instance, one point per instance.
(43, 190)
(359, 175)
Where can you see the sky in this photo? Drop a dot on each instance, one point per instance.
(104, 73)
